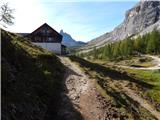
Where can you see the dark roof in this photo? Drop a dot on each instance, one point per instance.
(45, 24)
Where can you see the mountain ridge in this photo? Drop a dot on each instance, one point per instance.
(69, 41)
(140, 19)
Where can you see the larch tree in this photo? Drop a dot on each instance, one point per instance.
(6, 15)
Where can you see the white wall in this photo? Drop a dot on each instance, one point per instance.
(55, 47)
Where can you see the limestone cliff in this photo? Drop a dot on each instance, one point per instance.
(142, 18)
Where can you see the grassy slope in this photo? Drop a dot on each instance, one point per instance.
(152, 78)
(106, 74)
(148, 77)
(31, 79)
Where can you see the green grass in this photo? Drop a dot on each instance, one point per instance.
(143, 65)
(136, 61)
(150, 77)
(31, 78)
(147, 77)
(30, 48)
(104, 76)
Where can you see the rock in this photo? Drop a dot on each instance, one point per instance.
(115, 115)
(69, 41)
(142, 18)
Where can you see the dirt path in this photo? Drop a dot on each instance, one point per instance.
(156, 60)
(81, 101)
(80, 98)
(142, 102)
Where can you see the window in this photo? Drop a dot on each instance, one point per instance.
(48, 31)
(43, 31)
(37, 38)
(50, 39)
(43, 39)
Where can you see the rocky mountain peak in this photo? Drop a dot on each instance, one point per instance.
(144, 16)
(61, 31)
(69, 41)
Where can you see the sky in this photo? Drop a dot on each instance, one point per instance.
(84, 20)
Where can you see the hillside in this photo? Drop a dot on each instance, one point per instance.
(129, 94)
(126, 48)
(35, 86)
(69, 41)
(114, 77)
(142, 18)
(31, 80)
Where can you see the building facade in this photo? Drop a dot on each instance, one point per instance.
(46, 37)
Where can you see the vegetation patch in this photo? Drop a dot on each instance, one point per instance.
(152, 78)
(147, 44)
(105, 76)
(31, 79)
